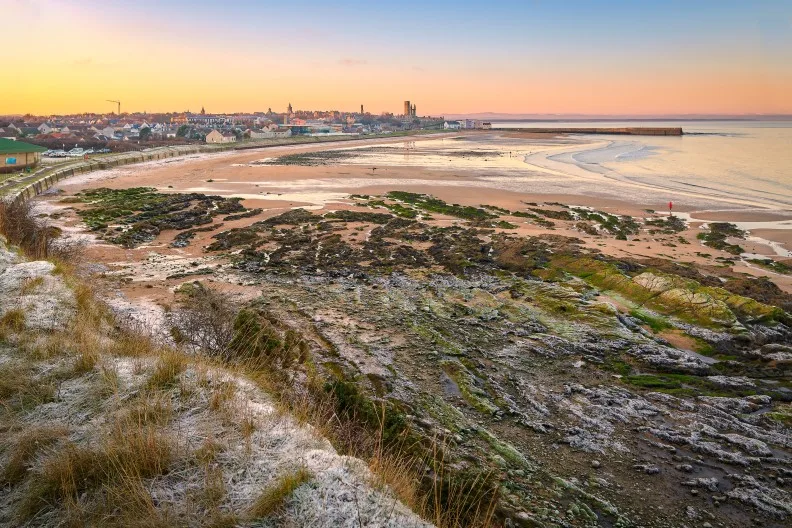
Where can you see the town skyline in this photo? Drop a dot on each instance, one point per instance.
(619, 58)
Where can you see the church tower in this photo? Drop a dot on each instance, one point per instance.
(203, 111)
(289, 110)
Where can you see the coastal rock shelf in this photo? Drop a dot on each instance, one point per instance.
(572, 377)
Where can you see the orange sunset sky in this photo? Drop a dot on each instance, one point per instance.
(518, 57)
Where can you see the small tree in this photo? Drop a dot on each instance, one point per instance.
(145, 134)
(182, 131)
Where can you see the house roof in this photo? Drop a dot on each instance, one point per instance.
(9, 146)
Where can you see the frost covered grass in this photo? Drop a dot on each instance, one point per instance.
(130, 454)
(102, 425)
(24, 449)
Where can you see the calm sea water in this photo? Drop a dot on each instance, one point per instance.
(745, 160)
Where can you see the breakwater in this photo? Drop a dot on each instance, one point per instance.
(626, 131)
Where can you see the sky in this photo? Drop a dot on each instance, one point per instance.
(596, 57)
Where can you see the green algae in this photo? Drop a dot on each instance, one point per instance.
(672, 295)
(141, 213)
(466, 381)
(435, 205)
(656, 323)
(507, 451)
(718, 234)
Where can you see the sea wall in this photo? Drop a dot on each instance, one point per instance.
(44, 179)
(628, 131)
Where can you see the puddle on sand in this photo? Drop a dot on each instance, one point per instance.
(317, 199)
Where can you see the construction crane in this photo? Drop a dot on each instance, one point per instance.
(116, 102)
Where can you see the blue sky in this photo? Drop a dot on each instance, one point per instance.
(461, 56)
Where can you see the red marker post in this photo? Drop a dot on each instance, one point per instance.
(670, 206)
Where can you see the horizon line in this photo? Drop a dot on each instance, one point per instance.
(478, 113)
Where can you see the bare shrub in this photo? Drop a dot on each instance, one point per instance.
(204, 321)
(68, 251)
(210, 322)
(19, 225)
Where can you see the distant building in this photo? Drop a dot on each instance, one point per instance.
(452, 125)
(288, 115)
(208, 120)
(215, 136)
(16, 155)
(270, 133)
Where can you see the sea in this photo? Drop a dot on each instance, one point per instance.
(749, 162)
(713, 166)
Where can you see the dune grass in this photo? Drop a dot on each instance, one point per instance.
(275, 496)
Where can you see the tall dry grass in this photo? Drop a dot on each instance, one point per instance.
(116, 469)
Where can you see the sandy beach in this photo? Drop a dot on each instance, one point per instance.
(506, 176)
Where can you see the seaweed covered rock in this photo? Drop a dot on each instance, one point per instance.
(130, 217)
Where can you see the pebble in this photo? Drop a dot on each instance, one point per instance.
(595, 464)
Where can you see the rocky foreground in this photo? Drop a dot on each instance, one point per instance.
(592, 390)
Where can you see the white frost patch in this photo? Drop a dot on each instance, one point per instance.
(30, 286)
(337, 497)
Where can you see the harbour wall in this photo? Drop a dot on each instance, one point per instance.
(626, 131)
